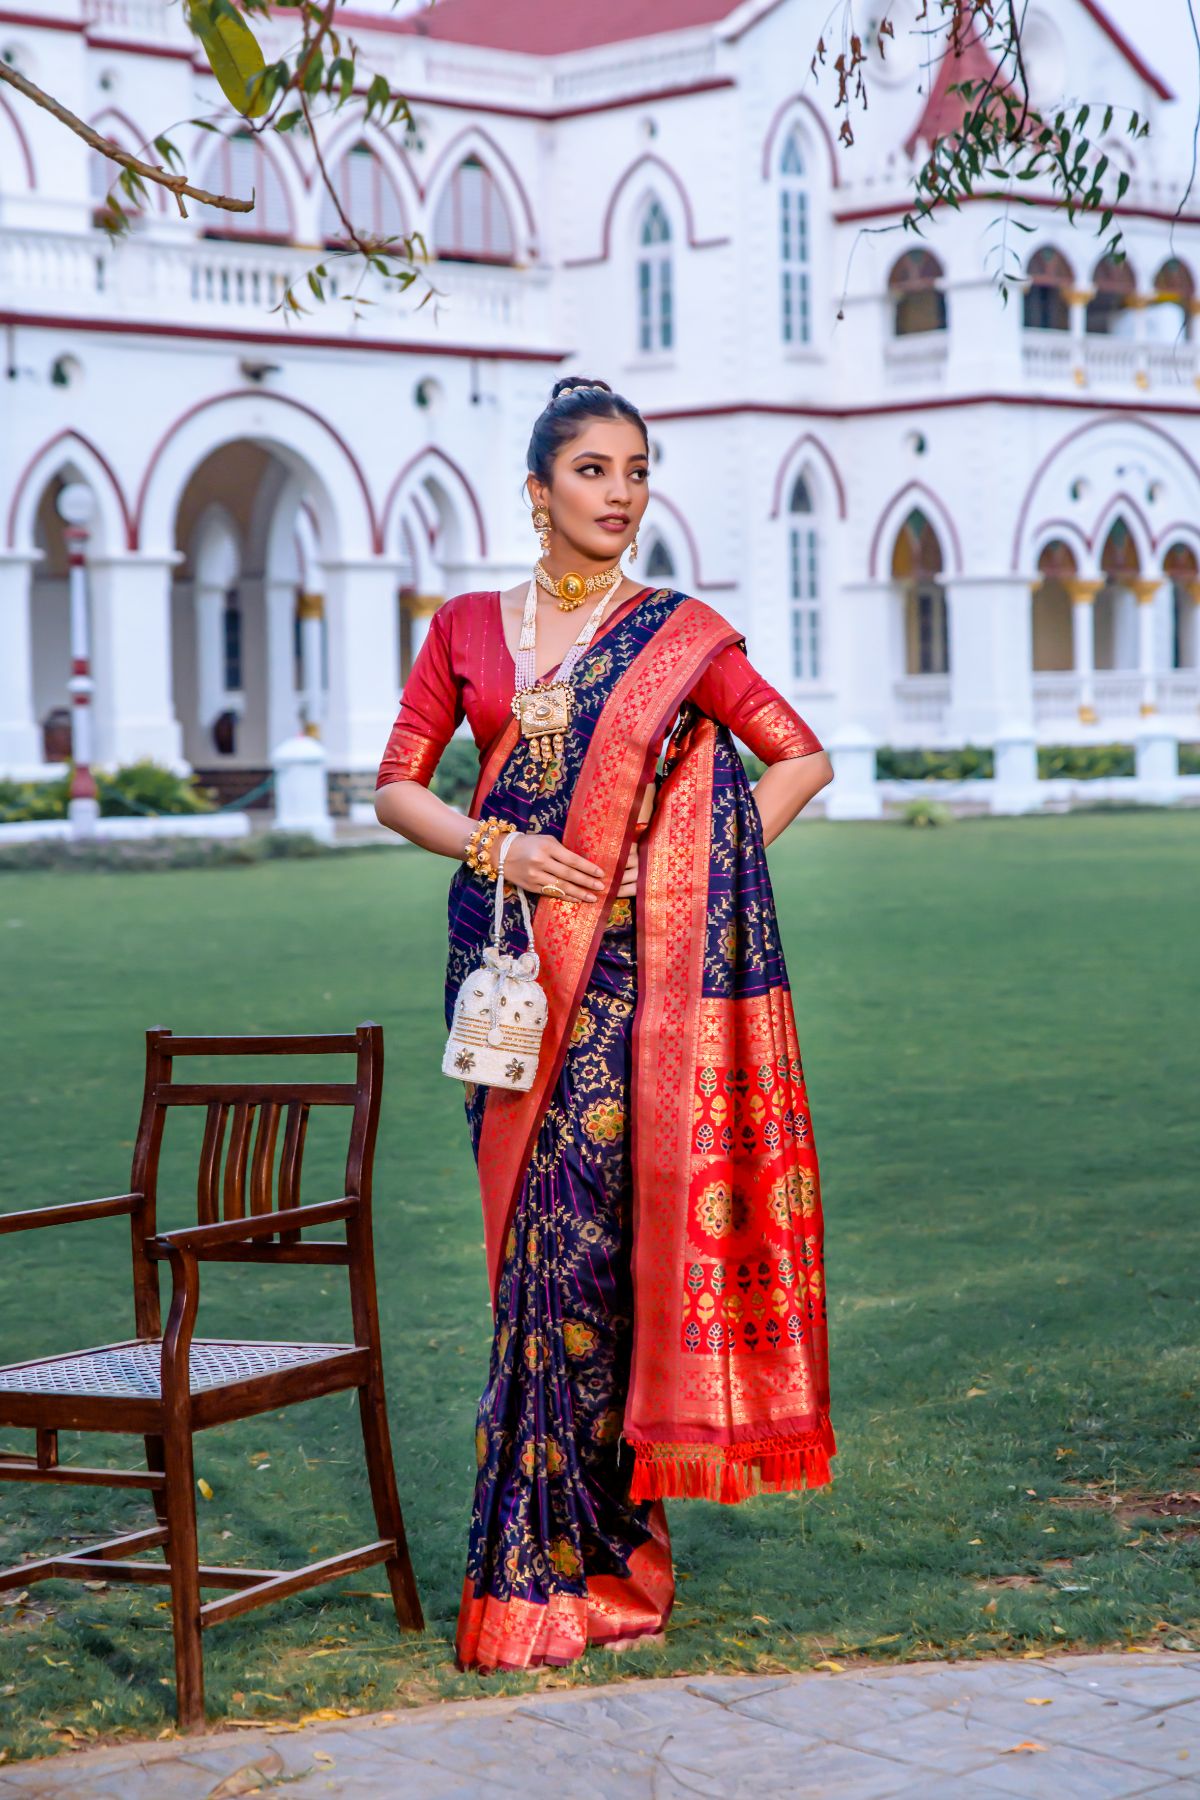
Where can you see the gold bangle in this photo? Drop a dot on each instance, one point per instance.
(501, 829)
(477, 854)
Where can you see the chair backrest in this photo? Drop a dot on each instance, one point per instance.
(254, 1134)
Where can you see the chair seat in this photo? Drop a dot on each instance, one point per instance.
(132, 1371)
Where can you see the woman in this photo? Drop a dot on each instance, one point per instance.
(652, 1215)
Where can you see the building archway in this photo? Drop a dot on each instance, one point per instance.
(1053, 645)
(917, 564)
(1115, 608)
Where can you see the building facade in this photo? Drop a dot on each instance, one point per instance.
(938, 519)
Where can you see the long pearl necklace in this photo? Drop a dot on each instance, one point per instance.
(545, 708)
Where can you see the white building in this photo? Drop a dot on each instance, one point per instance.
(936, 518)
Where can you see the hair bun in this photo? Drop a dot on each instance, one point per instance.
(570, 384)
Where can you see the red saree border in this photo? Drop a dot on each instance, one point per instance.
(738, 1421)
(617, 766)
(524, 1634)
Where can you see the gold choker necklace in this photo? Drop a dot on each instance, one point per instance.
(571, 589)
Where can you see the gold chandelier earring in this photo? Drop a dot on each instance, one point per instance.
(633, 549)
(541, 524)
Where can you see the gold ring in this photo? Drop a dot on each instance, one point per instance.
(552, 888)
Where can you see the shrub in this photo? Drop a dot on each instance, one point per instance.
(1189, 759)
(1084, 762)
(138, 789)
(972, 763)
(456, 774)
(22, 801)
(926, 813)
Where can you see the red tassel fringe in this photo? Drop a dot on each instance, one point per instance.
(733, 1472)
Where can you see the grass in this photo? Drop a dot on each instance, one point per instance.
(999, 1023)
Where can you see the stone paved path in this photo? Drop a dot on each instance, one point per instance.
(1115, 1725)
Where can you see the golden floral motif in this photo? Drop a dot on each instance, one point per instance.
(580, 1339)
(556, 1460)
(729, 938)
(528, 1460)
(792, 1197)
(533, 1351)
(604, 1122)
(564, 1557)
(607, 1426)
(582, 1028)
(481, 1446)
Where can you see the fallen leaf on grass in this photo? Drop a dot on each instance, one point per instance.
(829, 1663)
(55, 1665)
(329, 1712)
(1032, 1655)
(974, 1540)
(991, 1606)
(971, 1392)
(1140, 1649)
(204, 1488)
(757, 1619)
(249, 1778)
(1017, 1749)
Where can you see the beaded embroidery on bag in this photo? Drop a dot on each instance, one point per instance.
(500, 1012)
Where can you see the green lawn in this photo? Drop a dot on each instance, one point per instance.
(1000, 1028)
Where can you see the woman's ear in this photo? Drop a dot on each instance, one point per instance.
(536, 491)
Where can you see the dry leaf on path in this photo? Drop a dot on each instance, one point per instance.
(249, 1778)
(1038, 1700)
(1017, 1749)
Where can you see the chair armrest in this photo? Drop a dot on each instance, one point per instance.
(235, 1231)
(70, 1214)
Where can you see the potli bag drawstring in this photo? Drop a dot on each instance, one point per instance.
(500, 1012)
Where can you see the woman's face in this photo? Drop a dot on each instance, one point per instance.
(597, 493)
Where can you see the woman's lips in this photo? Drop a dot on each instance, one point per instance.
(613, 523)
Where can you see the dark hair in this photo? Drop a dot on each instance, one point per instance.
(572, 400)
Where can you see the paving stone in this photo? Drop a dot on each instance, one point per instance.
(615, 1712)
(1147, 1683)
(946, 1741)
(1058, 1771)
(1072, 1717)
(514, 1752)
(749, 1756)
(1168, 1741)
(837, 1709)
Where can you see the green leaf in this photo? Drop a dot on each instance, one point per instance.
(1108, 119)
(233, 53)
(378, 94)
(1122, 183)
(168, 152)
(289, 121)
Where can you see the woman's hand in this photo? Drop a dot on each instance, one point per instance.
(628, 887)
(534, 858)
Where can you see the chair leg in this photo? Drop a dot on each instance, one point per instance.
(184, 1555)
(385, 1497)
(156, 1465)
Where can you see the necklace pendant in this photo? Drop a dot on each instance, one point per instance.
(545, 716)
(572, 589)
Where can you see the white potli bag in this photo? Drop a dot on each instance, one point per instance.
(500, 1012)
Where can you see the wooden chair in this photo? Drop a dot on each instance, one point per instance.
(167, 1386)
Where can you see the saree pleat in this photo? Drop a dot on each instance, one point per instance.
(558, 1556)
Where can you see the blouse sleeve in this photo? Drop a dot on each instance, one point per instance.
(732, 692)
(431, 708)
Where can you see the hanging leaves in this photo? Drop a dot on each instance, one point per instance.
(234, 55)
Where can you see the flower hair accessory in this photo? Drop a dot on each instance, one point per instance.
(500, 1013)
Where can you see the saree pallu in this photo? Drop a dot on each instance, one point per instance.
(651, 1206)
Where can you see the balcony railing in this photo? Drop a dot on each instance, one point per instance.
(1091, 359)
(923, 700)
(919, 360)
(1116, 697)
(204, 282)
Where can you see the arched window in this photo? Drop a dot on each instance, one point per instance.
(1053, 642)
(1183, 572)
(794, 240)
(471, 223)
(917, 298)
(917, 565)
(1115, 286)
(1114, 610)
(1175, 294)
(240, 165)
(368, 197)
(659, 564)
(231, 642)
(656, 300)
(1049, 281)
(804, 583)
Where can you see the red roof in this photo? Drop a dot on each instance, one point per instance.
(537, 28)
(944, 111)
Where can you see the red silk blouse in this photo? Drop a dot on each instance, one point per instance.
(464, 669)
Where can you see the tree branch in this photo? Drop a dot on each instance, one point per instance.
(176, 184)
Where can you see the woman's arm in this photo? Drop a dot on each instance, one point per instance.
(784, 789)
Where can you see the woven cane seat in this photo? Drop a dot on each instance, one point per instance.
(132, 1371)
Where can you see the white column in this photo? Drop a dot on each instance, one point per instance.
(20, 738)
(283, 706)
(131, 660)
(1077, 300)
(854, 791)
(1083, 636)
(364, 660)
(990, 629)
(1145, 591)
(869, 655)
(312, 685)
(301, 788)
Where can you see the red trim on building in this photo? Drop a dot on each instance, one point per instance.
(402, 477)
(135, 47)
(66, 435)
(1127, 50)
(647, 157)
(38, 22)
(1116, 415)
(857, 215)
(277, 339)
(942, 514)
(936, 403)
(279, 400)
(468, 135)
(23, 141)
